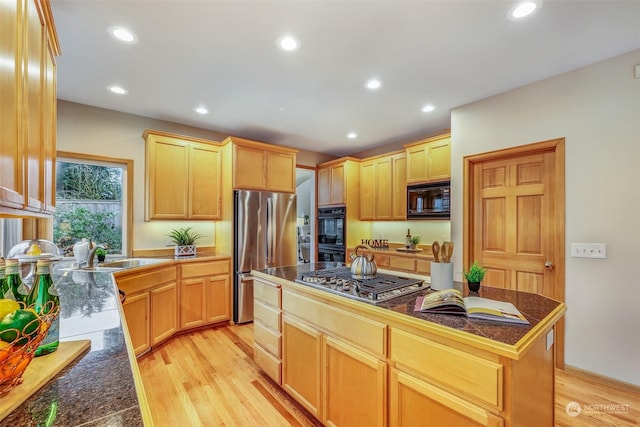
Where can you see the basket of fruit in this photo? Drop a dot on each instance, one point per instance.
(21, 332)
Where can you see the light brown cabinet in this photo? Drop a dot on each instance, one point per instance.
(27, 108)
(183, 177)
(205, 293)
(337, 180)
(151, 307)
(429, 160)
(267, 327)
(265, 167)
(383, 188)
(401, 262)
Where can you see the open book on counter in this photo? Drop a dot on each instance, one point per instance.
(451, 301)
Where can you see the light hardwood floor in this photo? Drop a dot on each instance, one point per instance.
(208, 378)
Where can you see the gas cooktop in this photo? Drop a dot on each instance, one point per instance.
(381, 288)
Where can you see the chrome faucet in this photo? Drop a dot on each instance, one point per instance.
(92, 255)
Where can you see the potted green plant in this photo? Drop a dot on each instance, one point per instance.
(474, 276)
(415, 240)
(185, 239)
(101, 254)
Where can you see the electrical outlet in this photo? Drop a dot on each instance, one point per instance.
(589, 250)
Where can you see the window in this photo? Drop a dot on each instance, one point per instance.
(93, 201)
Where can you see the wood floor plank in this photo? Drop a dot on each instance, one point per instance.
(208, 378)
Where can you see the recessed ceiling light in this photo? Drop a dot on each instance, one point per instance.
(119, 90)
(201, 110)
(374, 84)
(428, 108)
(523, 9)
(352, 135)
(122, 34)
(288, 43)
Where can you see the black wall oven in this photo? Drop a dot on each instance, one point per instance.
(331, 238)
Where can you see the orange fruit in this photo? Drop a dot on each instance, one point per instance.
(5, 350)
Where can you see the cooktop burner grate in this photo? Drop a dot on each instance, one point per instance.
(381, 288)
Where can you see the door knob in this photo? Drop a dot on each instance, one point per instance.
(548, 265)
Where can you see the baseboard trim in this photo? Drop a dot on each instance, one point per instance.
(601, 379)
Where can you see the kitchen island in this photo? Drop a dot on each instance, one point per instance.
(404, 367)
(103, 386)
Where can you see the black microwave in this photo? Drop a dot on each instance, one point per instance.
(429, 201)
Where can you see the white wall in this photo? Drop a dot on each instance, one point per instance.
(597, 110)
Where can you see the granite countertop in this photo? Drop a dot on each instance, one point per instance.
(535, 308)
(98, 388)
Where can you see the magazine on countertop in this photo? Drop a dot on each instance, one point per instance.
(451, 301)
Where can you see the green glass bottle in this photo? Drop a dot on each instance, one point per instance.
(16, 290)
(44, 298)
(3, 288)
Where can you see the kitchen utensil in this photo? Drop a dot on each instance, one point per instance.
(443, 252)
(435, 248)
(363, 266)
(449, 251)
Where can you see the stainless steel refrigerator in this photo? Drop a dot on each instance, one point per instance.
(265, 236)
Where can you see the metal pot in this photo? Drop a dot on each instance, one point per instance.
(363, 266)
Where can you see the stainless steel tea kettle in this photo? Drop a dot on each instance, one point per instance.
(363, 266)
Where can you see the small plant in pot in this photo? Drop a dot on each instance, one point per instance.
(185, 240)
(101, 254)
(474, 276)
(415, 241)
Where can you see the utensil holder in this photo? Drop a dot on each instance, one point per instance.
(441, 275)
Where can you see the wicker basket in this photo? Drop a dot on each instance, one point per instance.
(15, 357)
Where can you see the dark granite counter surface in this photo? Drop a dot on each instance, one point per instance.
(98, 389)
(534, 307)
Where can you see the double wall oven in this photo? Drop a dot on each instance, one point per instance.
(331, 237)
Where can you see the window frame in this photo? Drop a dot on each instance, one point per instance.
(127, 165)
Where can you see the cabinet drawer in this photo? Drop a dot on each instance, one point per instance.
(269, 364)
(199, 269)
(455, 369)
(268, 315)
(267, 292)
(268, 339)
(137, 282)
(368, 334)
(423, 267)
(403, 263)
(382, 260)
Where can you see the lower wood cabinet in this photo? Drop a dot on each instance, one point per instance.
(267, 327)
(205, 289)
(151, 307)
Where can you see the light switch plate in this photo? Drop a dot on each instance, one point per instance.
(589, 250)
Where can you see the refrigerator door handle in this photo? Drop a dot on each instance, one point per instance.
(270, 232)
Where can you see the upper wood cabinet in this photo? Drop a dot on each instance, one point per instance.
(429, 160)
(336, 180)
(383, 188)
(183, 177)
(264, 167)
(27, 108)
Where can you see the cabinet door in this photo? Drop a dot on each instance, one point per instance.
(399, 192)
(168, 178)
(249, 168)
(204, 185)
(12, 194)
(440, 160)
(302, 347)
(324, 187)
(414, 402)
(49, 131)
(192, 302)
(281, 172)
(218, 298)
(137, 314)
(368, 183)
(338, 184)
(352, 374)
(34, 63)
(384, 188)
(417, 163)
(164, 312)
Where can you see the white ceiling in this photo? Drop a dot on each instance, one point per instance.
(223, 55)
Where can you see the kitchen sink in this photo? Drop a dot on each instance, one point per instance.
(130, 263)
(97, 269)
